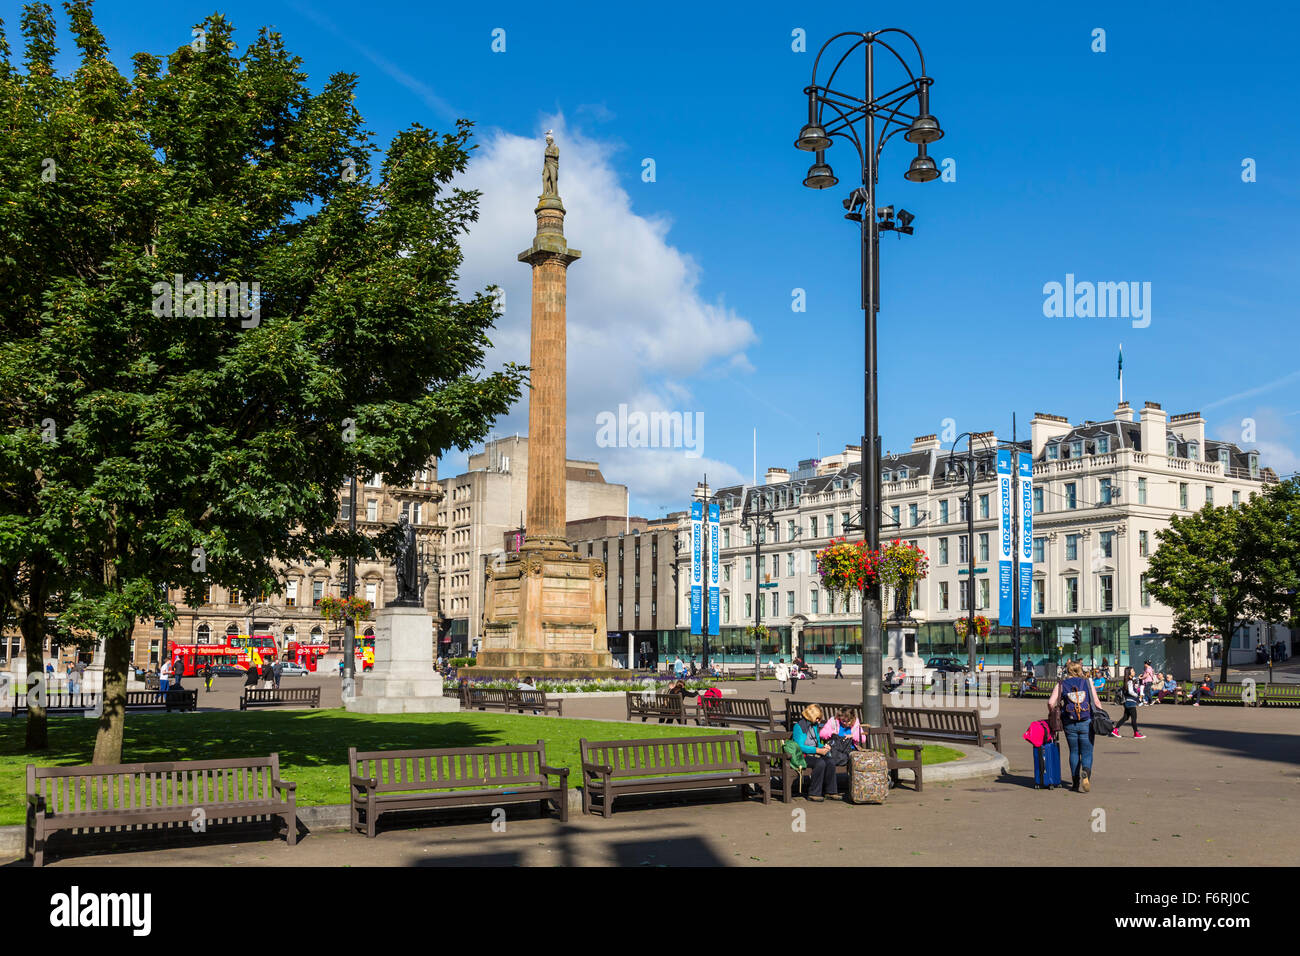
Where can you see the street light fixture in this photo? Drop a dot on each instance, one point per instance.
(833, 113)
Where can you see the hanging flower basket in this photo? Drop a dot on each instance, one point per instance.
(846, 568)
(960, 626)
(337, 609)
(982, 626)
(900, 566)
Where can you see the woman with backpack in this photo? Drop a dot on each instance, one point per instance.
(1132, 694)
(1076, 697)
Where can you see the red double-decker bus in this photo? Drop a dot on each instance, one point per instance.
(190, 659)
(308, 655)
(256, 649)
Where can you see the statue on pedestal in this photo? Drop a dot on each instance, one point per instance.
(551, 168)
(406, 561)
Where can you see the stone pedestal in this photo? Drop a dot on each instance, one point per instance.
(901, 646)
(545, 616)
(403, 680)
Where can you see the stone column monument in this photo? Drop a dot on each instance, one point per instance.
(544, 610)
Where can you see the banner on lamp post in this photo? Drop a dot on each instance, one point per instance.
(697, 566)
(714, 587)
(1006, 586)
(1025, 479)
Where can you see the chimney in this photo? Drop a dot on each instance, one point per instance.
(1191, 427)
(1154, 429)
(1043, 428)
(1123, 412)
(926, 443)
(983, 441)
(775, 476)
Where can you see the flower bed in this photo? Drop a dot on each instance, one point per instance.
(659, 683)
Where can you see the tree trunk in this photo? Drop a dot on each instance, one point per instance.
(32, 626)
(112, 723)
(1225, 647)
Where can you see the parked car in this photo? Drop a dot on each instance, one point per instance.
(227, 670)
(292, 669)
(948, 665)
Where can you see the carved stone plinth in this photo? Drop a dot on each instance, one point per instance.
(403, 680)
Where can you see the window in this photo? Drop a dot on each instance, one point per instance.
(291, 594)
(964, 504)
(345, 509)
(943, 550)
(1182, 494)
(1146, 595)
(893, 514)
(1253, 461)
(962, 546)
(1209, 494)
(372, 592)
(776, 532)
(1103, 445)
(1071, 595)
(1107, 544)
(789, 564)
(1038, 501)
(1040, 595)
(1107, 593)
(749, 537)
(372, 510)
(1053, 452)
(984, 506)
(1071, 497)
(726, 573)
(1040, 547)
(943, 595)
(726, 608)
(1142, 491)
(984, 593)
(1072, 547)
(726, 537)
(964, 593)
(749, 569)
(749, 606)
(812, 522)
(789, 603)
(812, 601)
(1103, 491)
(204, 634)
(984, 546)
(1144, 544)
(830, 526)
(776, 598)
(1193, 450)
(1076, 449)
(1236, 499)
(762, 567)
(789, 529)
(1171, 448)
(317, 592)
(943, 511)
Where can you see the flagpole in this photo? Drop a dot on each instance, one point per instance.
(1121, 373)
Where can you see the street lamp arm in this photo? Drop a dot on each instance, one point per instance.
(863, 39)
(920, 56)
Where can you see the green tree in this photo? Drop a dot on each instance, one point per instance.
(1220, 567)
(200, 436)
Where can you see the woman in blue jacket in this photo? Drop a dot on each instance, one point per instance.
(807, 736)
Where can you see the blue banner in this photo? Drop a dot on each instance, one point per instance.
(1006, 581)
(715, 602)
(1026, 482)
(697, 566)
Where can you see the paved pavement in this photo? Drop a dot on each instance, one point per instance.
(1209, 785)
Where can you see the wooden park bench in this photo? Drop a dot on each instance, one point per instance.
(957, 726)
(1228, 693)
(1280, 695)
(85, 798)
(278, 698)
(59, 703)
(726, 711)
(1043, 688)
(534, 700)
(771, 744)
(182, 699)
(613, 768)
(387, 780)
(485, 698)
(794, 711)
(667, 708)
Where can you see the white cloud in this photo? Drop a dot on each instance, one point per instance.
(639, 327)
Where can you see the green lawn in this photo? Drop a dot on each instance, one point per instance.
(313, 744)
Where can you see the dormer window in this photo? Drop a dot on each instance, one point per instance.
(1053, 452)
(1193, 450)
(1076, 449)
(1253, 458)
(902, 474)
(838, 484)
(1103, 445)
(798, 493)
(885, 476)
(1224, 458)
(1171, 448)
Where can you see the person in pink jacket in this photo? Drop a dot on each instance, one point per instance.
(844, 724)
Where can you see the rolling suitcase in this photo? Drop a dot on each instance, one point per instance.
(868, 777)
(1047, 765)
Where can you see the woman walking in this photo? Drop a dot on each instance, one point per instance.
(1076, 696)
(1132, 693)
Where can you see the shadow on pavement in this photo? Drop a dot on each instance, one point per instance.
(1269, 747)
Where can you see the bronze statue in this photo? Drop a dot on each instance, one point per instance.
(407, 565)
(551, 168)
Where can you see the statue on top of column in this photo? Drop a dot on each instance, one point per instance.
(551, 168)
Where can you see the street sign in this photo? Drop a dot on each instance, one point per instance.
(773, 584)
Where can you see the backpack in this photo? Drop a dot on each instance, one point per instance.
(1076, 699)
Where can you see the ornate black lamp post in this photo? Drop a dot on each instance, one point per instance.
(967, 466)
(833, 113)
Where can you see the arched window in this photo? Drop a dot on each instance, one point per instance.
(317, 634)
(231, 630)
(290, 634)
(204, 634)
(369, 632)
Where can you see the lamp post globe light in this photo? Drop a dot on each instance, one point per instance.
(836, 114)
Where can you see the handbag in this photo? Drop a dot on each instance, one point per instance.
(1102, 725)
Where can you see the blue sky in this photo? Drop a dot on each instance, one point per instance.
(1117, 166)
